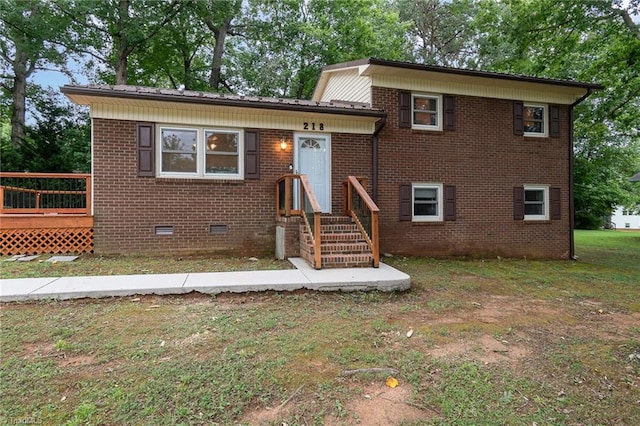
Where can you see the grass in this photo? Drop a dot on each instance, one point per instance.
(90, 264)
(495, 342)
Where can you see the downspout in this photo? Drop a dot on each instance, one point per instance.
(374, 158)
(572, 248)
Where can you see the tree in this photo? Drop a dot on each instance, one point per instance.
(591, 40)
(110, 31)
(32, 37)
(441, 32)
(59, 140)
(287, 43)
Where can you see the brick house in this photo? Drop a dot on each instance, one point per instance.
(458, 162)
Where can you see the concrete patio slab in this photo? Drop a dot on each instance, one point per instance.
(20, 288)
(384, 278)
(244, 281)
(61, 259)
(110, 285)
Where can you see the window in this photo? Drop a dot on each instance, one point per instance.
(536, 205)
(179, 151)
(200, 152)
(427, 202)
(222, 152)
(627, 225)
(425, 112)
(534, 119)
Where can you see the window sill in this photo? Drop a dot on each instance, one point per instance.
(198, 181)
(432, 131)
(536, 221)
(428, 223)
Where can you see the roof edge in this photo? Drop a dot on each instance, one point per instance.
(110, 92)
(465, 72)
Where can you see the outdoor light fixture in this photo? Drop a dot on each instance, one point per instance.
(283, 143)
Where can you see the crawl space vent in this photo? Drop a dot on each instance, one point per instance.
(218, 229)
(163, 230)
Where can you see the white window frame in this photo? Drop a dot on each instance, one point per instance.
(545, 120)
(440, 205)
(545, 202)
(438, 98)
(201, 152)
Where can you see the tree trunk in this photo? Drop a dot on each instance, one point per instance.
(19, 94)
(121, 43)
(215, 79)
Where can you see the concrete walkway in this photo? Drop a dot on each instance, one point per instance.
(384, 278)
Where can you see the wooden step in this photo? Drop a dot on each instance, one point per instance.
(342, 244)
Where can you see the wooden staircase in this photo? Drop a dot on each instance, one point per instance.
(342, 244)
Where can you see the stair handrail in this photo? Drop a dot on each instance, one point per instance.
(356, 198)
(284, 196)
(309, 204)
(309, 208)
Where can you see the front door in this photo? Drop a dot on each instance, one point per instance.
(313, 158)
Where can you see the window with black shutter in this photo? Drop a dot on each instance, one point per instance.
(449, 108)
(406, 202)
(449, 202)
(554, 121)
(252, 154)
(518, 203)
(146, 142)
(518, 120)
(556, 204)
(404, 109)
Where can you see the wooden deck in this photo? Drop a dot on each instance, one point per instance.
(45, 213)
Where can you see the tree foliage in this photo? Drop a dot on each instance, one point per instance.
(55, 142)
(32, 36)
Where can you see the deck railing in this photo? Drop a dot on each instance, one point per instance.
(307, 207)
(45, 193)
(364, 212)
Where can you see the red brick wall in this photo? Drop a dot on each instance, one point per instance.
(127, 207)
(484, 160)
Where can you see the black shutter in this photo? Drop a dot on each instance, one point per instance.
(518, 203)
(404, 109)
(406, 202)
(556, 204)
(554, 121)
(449, 117)
(146, 142)
(518, 120)
(449, 202)
(252, 154)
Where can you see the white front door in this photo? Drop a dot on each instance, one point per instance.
(313, 158)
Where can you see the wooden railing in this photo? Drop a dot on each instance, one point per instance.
(45, 193)
(364, 212)
(308, 207)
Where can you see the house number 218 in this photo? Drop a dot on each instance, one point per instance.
(305, 126)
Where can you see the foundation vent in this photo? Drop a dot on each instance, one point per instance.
(218, 229)
(163, 229)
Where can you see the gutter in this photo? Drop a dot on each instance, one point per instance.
(572, 245)
(374, 158)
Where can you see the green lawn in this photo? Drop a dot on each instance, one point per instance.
(494, 342)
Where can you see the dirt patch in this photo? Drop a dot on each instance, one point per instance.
(486, 349)
(371, 404)
(377, 404)
(75, 361)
